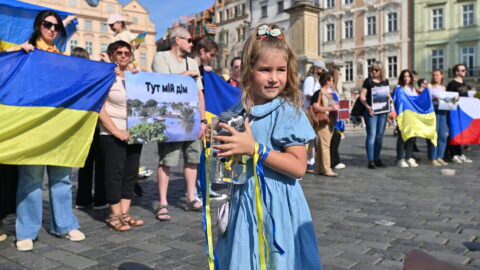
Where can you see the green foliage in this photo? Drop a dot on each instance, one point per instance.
(151, 103)
(162, 110)
(187, 113)
(135, 103)
(148, 132)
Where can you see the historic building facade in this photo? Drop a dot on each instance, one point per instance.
(94, 34)
(232, 19)
(354, 34)
(447, 33)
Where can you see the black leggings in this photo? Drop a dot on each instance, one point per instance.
(334, 145)
(121, 162)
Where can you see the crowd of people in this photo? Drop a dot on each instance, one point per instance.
(276, 132)
(320, 88)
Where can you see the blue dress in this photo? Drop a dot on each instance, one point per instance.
(277, 124)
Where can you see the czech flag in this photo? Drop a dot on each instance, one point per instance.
(464, 124)
(219, 95)
(49, 105)
(16, 20)
(415, 115)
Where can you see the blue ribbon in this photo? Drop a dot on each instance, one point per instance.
(263, 153)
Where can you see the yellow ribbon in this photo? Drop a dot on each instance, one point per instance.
(208, 218)
(263, 249)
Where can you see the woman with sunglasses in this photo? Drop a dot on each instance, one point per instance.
(48, 27)
(375, 123)
(121, 160)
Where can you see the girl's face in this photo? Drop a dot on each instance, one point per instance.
(268, 76)
(376, 72)
(47, 33)
(122, 57)
(207, 57)
(407, 78)
(423, 84)
(116, 27)
(437, 77)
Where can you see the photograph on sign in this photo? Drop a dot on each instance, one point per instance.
(380, 103)
(162, 107)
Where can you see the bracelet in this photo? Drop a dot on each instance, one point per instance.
(204, 121)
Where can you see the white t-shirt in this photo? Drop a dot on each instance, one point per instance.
(409, 91)
(310, 86)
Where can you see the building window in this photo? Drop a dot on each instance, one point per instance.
(437, 16)
(279, 7)
(73, 44)
(330, 3)
(392, 22)
(89, 47)
(468, 15)
(88, 25)
(330, 32)
(264, 11)
(370, 62)
(103, 47)
(371, 25)
(235, 11)
(239, 34)
(349, 29)
(468, 58)
(244, 9)
(437, 59)
(72, 3)
(348, 2)
(103, 27)
(110, 9)
(227, 16)
(220, 16)
(392, 66)
(143, 59)
(349, 71)
(134, 20)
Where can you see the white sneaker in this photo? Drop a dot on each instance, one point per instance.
(465, 159)
(215, 196)
(402, 163)
(340, 166)
(457, 159)
(75, 235)
(25, 245)
(442, 162)
(435, 163)
(412, 163)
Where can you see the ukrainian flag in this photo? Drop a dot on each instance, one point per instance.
(16, 20)
(415, 115)
(219, 95)
(49, 105)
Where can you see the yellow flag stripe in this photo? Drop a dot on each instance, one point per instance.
(259, 207)
(208, 218)
(413, 124)
(45, 135)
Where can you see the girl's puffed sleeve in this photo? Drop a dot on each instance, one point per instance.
(292, 128)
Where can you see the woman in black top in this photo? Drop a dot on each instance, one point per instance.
(375, 123)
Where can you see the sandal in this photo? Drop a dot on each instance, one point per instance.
(190, 206)
(117, 223)
(163, 216)
(330, 174)
(131, 220)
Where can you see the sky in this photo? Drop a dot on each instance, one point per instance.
(163, 13)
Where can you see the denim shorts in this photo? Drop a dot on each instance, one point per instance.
(169, 153)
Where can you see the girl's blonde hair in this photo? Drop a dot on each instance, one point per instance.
(439, 71)
(379, 65)
(314, 72)
(335, 71)
(257, 45)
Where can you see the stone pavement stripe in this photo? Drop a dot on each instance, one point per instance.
(40, 264)
(70, 259)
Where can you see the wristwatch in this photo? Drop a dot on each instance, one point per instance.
(204, 121)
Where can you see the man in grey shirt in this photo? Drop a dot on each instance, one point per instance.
(175, 61)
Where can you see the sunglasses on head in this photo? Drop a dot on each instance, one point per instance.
(120, 53)
(189, 40)
(49, 25)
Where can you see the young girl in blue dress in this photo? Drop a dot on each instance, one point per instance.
(272, 103)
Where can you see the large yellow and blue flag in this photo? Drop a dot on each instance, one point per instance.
(219, 95)
(16, 20)
(415, 115)
(49, 105)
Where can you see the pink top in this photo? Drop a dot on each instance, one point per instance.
(435, 91)
(116, 106)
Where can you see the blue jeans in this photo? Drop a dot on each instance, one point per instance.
(29, 201)
(375, 129)
(439, 151)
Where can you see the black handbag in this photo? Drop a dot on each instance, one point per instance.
(358, 108)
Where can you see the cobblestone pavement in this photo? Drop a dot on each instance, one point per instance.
(431, 212)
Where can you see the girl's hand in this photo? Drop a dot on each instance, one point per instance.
(369, 109)
(104, 57)
(241, 143)
(27, 47)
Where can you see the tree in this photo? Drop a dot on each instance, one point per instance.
(136, 103)
(151, 103)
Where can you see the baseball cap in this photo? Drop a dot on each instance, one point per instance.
(320, 64)
(115, 17)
